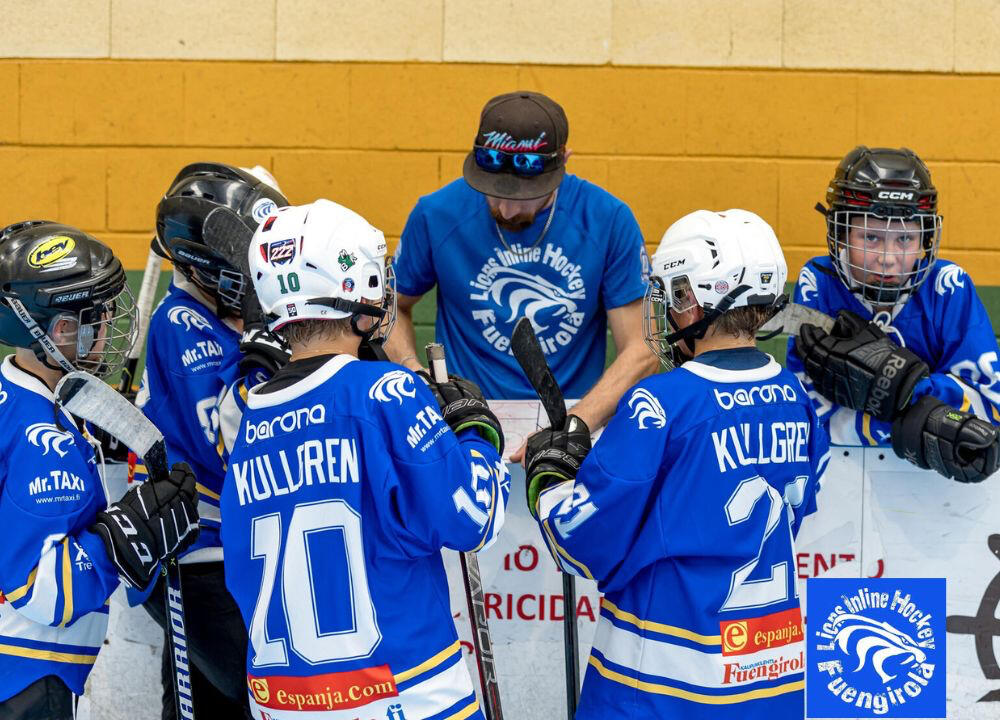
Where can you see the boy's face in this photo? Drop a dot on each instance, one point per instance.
(883, 251)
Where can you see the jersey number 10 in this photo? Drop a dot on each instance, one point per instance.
(298, 590)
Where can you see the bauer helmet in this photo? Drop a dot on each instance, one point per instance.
(717, 260)
(196, 191)
(882, 227)
(50, 272)
(323, 261)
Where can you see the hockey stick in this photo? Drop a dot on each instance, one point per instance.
(529, 355)
(793, 317)
(481, 641)
(144, 306)
(91, 399)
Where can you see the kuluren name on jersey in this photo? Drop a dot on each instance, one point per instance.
(330, 460)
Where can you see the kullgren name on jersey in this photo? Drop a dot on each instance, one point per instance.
(746, 444)
(330, 460)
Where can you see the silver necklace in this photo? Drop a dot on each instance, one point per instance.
(548, 221)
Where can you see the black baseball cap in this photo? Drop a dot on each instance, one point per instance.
(519, 122)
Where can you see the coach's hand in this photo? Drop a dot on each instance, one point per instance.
(554, 456)
(858, 367)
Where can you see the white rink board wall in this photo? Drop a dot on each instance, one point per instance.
(878, 516)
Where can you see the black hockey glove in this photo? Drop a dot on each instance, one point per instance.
(956, 444)
(858, 367)
(262, 349)
(554, 456)
(463, 407)
(152, 521)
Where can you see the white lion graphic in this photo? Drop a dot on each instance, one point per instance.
(529, 295)
(393, 386)
(878, 639)
(807, 283)
(646, 407)
(188, 317)
(949, 279)
(48, 437)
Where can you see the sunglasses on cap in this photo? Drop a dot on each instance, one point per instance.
(527, 164)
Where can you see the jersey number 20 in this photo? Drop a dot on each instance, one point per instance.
(298, 590)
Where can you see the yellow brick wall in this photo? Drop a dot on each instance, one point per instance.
(95, 142)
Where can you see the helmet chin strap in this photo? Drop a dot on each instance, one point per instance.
(49, 350)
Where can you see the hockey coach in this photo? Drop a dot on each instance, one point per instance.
(518, 236)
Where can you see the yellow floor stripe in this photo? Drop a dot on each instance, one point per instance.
(693, 696)
(660, 627)
(428, 664)
(47, 655)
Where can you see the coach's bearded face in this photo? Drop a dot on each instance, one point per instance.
(516, 215)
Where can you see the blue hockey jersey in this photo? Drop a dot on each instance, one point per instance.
(341, 490)
(189, 362)
(944, 323)
(55, 575)
(684, 512)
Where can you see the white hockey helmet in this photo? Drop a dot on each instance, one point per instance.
(322, 261)
(719, 260)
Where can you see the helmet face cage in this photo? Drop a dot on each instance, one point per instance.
(656, 322)
(883, 258)
(105, 333)
(231, 286)
(381, 329)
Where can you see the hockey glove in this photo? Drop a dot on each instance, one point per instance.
(554, 456)
(463, 407)
(262, 349)
(152, 521)
(858, 367)
(956, 444)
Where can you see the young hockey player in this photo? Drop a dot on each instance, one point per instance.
(346, 479)
(685, 510)
(65, 306)
(912, 359)
(196, 338)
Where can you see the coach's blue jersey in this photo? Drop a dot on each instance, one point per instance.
(591, 259)
(55, 575)
(684, 512)
(189, 361)
(342, 488)
(944, 323)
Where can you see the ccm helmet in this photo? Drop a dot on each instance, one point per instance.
(50, 271)
(323, 261)
(196, 191)
(718, 260)
(882, 203)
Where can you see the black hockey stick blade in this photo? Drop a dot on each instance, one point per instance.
(529, 355)
(90, 398)
(229, 237)
(793, 317)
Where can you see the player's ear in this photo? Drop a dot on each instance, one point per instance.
(63, 330)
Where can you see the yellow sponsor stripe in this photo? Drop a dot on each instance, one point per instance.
(205, 491)
(47, 655)
(20, 592)
(660, 627)
(562, 551)
(693, 696)
(866, 428)
(465, 712)
(428, 664)
(67, 585)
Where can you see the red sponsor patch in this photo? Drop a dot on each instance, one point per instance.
(333, 691)
(741, 637)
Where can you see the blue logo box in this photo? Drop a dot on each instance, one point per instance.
(875, 648)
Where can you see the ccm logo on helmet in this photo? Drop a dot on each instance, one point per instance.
(763, 393)
(289, 422)
(894, 195)
(674, 263)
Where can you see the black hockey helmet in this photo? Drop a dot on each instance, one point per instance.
(50, 271)
(198, 189)
(894, 187)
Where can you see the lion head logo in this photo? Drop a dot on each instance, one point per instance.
(533, 297)
(877, 641)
